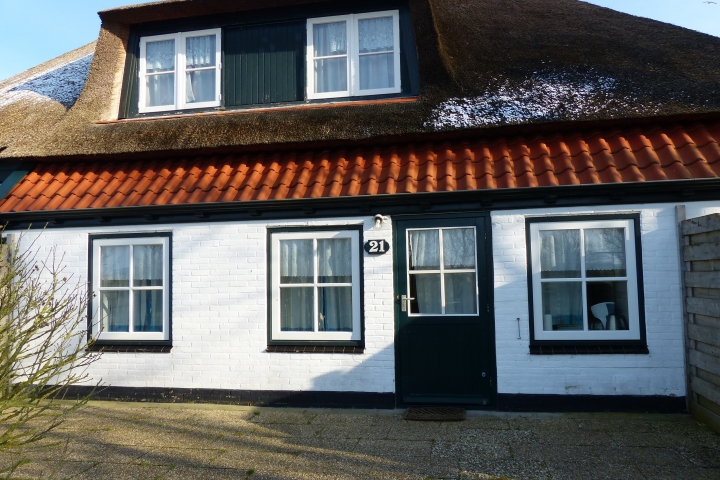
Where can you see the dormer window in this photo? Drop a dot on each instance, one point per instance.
(179, 71)
(353, 55)
(269, 59)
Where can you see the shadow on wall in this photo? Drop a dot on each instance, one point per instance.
(339, 389)
(63, 84)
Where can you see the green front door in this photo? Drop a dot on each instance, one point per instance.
(445, 343)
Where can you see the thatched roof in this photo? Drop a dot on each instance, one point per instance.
(483, 64)
(35, 100)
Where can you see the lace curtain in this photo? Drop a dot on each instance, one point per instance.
(200, 51)
(160, 56)
(376, 35)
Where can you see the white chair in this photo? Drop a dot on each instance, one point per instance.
(602, 312)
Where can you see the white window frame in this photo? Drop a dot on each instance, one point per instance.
(277, 333)
(180, 71)
(442, 271)
(633, 333)
(353, 56)
(96, 275)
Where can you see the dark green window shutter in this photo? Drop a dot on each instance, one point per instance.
(264, 64)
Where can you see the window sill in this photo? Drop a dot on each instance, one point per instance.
(607, 349)
(134, 347)
(313, 349)
(257, 109)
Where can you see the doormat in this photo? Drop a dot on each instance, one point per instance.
(435, 414)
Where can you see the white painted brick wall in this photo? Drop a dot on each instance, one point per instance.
(659, 373)
(220, 315)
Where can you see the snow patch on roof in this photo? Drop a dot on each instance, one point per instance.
(62, 84)
(549, 97)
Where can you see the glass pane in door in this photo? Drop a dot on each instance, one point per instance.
(459, 248)
(424, 247)
(425, 291)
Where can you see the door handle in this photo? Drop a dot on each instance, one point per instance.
(405, 302)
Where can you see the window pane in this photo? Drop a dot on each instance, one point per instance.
(335, 309)
(200, 86)
(296, 309)
(375, 35)
(200, 51)
(148, 265)
(148, 310)
(460, 293)
(330, 39)
(160, 90)
(560, 253)
(424, 250)
(377, 71)
(296, 261)
(160, 56)
(115, 311)
(335, 260)
(331, 75)
(459, 248)
(562, 306)
(605, 252)
(425, 289)
(607, 306)
(115, 266)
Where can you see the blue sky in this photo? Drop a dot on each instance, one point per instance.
(34, 31)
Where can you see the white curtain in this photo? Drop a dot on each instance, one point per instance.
(376, 35)
(335, 309)
(330, 39)
(424, 250)
(460, 293)
(115, 266)
(562, 301)
(200, 53)
(160, 87)
(296, 303)
(148, 265)
(425, 289)
(334, 260)
(160, 56)
(560, 253)
(378, 69)
(335, 303)
(148, 314)
(296, 309)
(296, 261)
(115, 311)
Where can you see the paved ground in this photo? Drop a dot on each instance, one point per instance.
(160, 441)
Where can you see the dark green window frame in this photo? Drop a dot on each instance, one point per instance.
(266, 88)
(358, 344)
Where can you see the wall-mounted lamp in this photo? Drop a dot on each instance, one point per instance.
(378, 220)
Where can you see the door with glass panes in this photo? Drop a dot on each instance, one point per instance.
(445, 342)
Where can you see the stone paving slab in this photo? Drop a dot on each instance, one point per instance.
(107, 440)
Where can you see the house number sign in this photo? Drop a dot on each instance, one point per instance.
(377, 247)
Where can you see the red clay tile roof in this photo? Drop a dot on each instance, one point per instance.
(574, 159)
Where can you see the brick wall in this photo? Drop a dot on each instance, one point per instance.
(220, 315)
(659, 373)
(701, 255)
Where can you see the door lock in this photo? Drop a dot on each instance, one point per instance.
(405, 302)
